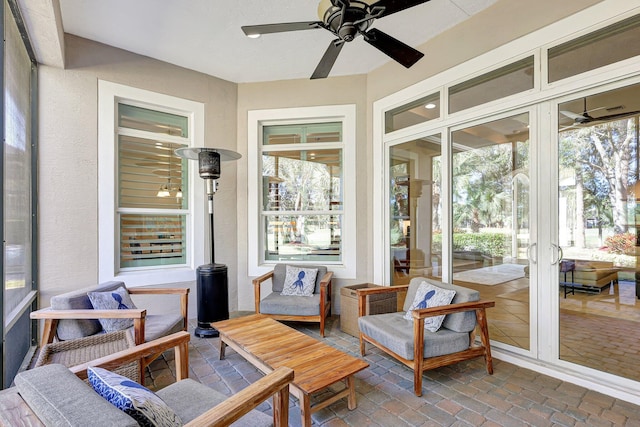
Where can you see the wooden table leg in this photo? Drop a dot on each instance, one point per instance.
(305, 410)
(223, 347)
(351, 400)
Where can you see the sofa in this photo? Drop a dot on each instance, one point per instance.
(54, 395)
(589, 276)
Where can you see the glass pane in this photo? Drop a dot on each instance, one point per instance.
(307, 180)
(415, 209)
(303, 237)
(598, 231)
(603, 47)
(17, 168)
(151, 175)
(420, 111)
(302, 134)
(152, 240)
(509, 80)
(491, 221)
(152, 121)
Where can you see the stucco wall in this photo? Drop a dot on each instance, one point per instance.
(68, 135)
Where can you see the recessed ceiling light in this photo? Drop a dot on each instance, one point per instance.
(430, 106)
(253, 36)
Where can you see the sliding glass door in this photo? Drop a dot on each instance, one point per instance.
(491, 220)
(598, 231)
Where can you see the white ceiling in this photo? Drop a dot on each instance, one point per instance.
(205, 35)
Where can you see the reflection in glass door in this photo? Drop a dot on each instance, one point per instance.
(598, 231)
(415, 210)
(490, 200)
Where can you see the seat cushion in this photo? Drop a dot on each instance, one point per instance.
(458, 322)
(280, 273)
(69, 329)
(395, 332)
(190, 399)
(59, 398)
(160, 325)
(276, 303)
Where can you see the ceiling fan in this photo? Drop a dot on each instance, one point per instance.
(585, 117)
(348, 19)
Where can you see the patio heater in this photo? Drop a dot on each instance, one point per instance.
(211, 279)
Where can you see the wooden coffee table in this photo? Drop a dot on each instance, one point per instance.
(268, 344)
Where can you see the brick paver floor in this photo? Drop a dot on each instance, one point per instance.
(459, 395)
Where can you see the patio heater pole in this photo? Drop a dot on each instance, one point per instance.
(212, 280)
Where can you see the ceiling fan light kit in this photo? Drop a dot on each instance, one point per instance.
(347, 19)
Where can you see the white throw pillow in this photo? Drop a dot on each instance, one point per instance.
(427, 296)
(299, 281)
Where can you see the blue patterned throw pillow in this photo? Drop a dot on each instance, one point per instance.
(299, 281)
(112, 300)
(137, 401)
(427, 296)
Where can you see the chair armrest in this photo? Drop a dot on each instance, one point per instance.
(178, 341)
(276, 383)
(49, 313)
(364, 292)
(51, 318)
(451, 308)
(257, 282)
(326, 279)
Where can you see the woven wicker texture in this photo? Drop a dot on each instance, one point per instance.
(75, 352)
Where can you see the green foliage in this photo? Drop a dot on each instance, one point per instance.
(493, 244)
(620, 243)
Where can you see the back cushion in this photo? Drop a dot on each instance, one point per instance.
(280, 272)
(69, 329)
(458, 322)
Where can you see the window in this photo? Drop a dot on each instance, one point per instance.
(606, 46)
(514, 78)
(147, 213)
(302, 210)
(413, 113)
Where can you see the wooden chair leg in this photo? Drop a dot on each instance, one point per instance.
(362, 345)
(481, 318)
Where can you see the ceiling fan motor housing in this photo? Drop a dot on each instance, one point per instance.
(346, 27)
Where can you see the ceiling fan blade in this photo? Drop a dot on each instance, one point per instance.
(611, 117)
(328, 59)
(394, 48)
(393, 6)
(281, 28)
(571, 114)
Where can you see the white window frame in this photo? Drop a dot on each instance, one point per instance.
(109, 95)
(346, 114)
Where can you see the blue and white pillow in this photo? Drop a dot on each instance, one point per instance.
(137, 401)
(299, 281)
(112, 300)
(427, 296)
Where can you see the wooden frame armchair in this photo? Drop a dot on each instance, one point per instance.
(454, 342)
(300, 309)
(14, 409)
(82, 310)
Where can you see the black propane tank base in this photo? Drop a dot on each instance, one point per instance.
(206, 332)
(213, 298)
